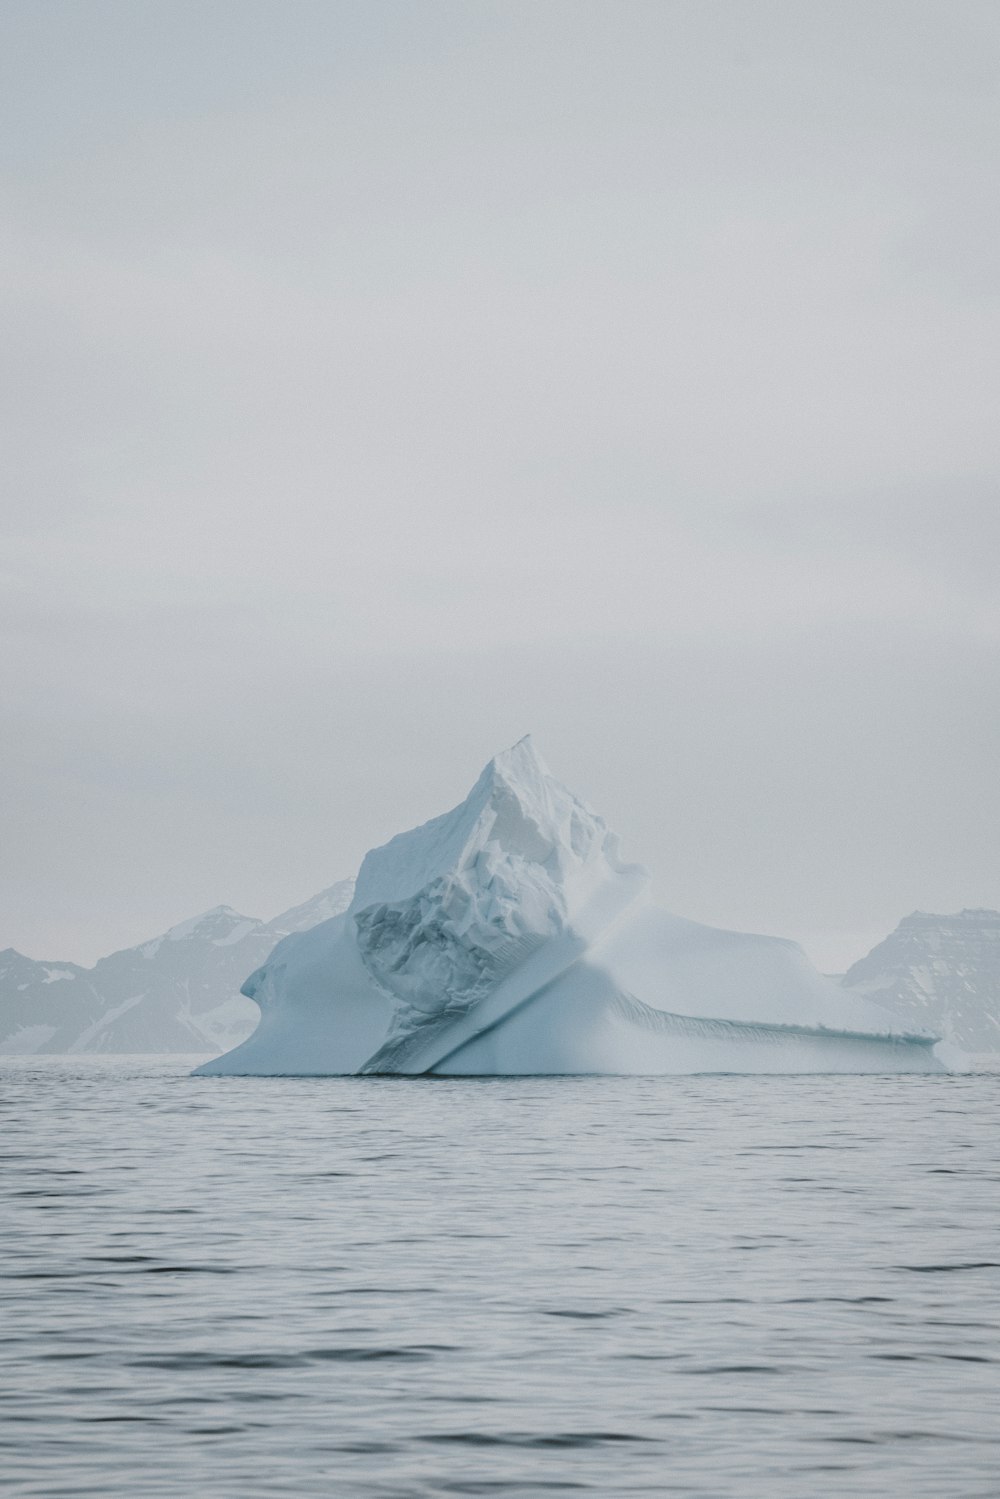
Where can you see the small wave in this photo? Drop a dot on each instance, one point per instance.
(943, 1269)
(582, 1314)
(196, 1359)
(574, 1439)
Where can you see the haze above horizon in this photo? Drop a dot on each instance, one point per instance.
(382, 380)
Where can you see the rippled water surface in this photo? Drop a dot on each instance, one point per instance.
(775, 1287)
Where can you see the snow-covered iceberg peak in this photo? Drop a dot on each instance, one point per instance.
(508, 937)
(445, 911)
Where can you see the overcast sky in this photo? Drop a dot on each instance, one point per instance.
(384, 379)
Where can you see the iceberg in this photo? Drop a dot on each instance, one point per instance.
(508, 936)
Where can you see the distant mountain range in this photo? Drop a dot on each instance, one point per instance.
(180, 992)
(175, 993)
(940, 972)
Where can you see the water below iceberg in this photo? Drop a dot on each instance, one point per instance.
(367, 1288)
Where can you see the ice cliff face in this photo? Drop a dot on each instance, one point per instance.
(176, 993)
(508, 937)
(443, 914)
(942, 972)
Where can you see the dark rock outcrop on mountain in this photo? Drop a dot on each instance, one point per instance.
(942, 972)
(176, 993)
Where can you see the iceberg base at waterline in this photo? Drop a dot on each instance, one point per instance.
(508, 937)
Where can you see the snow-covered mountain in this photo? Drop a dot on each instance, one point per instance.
(942, 972)
(177, 993)
(508, 936)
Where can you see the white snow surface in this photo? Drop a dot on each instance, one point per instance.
(507, 936)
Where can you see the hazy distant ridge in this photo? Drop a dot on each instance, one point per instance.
(175, 993)
(942, 972)
(180, 992)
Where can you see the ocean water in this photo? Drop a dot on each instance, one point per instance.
(782, 1287)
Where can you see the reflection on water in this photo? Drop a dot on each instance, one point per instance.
(773, 1287)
